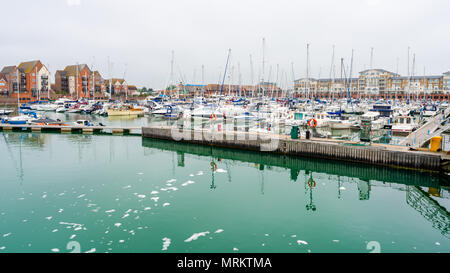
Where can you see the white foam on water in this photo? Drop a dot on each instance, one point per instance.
(55, 230)
(60, 210)
(336, 241)
(81, 196)
(126, 187)
(200, 173)
(166, 204)
(117, 224)
(3, 248)
(235, 249)
(171, 180)
(140, 173)
(166, 243)
(49, 218)
(125, 216)
(141, 196)
(267, 235)
(187, 183)
(191, 175)
(121, 241)
(218, 231)
(300, 242)
(156, 198)
(342, 188)
(44, 196)
(128, 211)
(438, 244)
(73, 236)
(55, 250)
(61, 194)
(92, 250)
(220, 171)
(293, 236)
(154, 192)
(7, 234)
(148, 208)
(195, 236)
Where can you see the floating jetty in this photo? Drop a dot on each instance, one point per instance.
(374, 154)
(108, 130)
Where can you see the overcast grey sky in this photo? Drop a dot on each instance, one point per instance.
(138, 36)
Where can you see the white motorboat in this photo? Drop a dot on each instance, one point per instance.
(404, 125)
(376, 121)
(429, 110)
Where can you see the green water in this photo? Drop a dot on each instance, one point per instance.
(97, 191)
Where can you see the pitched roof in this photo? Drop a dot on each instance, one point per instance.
(114, 80)
(71, 70)
(27, 67)
(8, 69)
(3, 77)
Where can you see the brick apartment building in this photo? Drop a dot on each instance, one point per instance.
(116, 87)
(32, 78)
(79, 81)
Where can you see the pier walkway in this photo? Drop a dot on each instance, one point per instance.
(430, 129)
(112, 130)
(385, 155)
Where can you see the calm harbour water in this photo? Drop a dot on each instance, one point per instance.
(127, 194)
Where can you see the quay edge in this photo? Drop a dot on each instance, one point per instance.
(374, 155)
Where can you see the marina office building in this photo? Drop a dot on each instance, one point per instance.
(376, 84)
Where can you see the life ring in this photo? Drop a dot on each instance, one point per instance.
(312, 183)
(314, 125)
(214, 116)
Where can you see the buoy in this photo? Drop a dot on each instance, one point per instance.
(213, 116)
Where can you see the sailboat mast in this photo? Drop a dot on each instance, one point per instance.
(331, 72)
(252, 76)
(350, 80)
(224, 75)
(263, 64)
(76, 81)
(308, 92)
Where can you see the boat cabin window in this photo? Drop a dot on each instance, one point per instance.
(402, 120)
(408, 121)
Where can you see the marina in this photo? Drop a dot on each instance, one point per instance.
(124, 200)
(222, 136)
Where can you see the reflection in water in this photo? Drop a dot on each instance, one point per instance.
(364, 176)
(429, 208)
(311, 184)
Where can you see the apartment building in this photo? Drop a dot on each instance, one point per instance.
(377, 83)
(116, 87)
(31, 77)
(3, 84)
